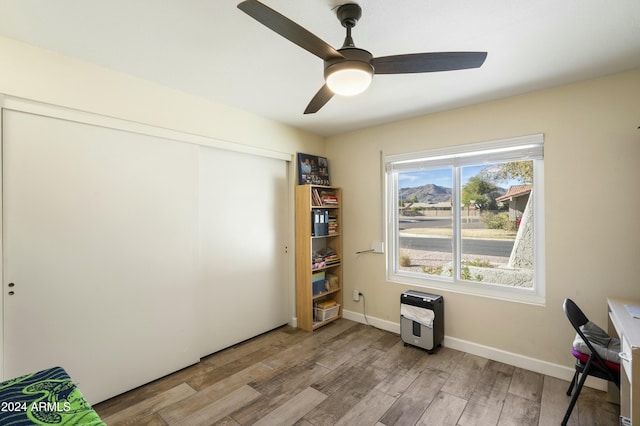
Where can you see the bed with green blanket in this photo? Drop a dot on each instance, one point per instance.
(48, 397)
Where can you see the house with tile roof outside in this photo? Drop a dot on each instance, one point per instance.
(517, 196)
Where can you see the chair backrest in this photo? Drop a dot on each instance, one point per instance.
(577, 318)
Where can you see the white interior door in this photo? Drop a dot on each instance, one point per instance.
(100, 251)
(243, 234)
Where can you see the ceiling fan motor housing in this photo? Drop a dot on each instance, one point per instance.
(354, 57)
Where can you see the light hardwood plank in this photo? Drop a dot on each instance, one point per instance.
(210, 376)
(397, 382)
(445, 410)
(368, 410)
(311, 347)
(150, 390)
(343, 350)
(344, 399)
(280, 337)
(465, 376)
(594, 409)
(385, 342)
(479, 415)
(527, 384)
(400, 358)
(175, 412)
(150, 420)
(555, 402)
(444, 359)
(134, 413)
(279, 389)
(220, 408)
(226, 421)
(415, 400)
(293, 410)
(519, 411)
(493, 385)
(346, 372)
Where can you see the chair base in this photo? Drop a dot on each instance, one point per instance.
(577, 382)
(573, 383)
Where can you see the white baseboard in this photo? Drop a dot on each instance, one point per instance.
(510, 358)
(393, 327)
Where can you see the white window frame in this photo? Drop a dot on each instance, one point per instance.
(530, 147)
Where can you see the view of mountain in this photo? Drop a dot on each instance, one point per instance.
(428, 193)
(432, 194)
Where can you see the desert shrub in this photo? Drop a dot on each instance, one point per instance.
(432, 270)
(479, 262)
(465, 274)
(404, 260)
(496, 221)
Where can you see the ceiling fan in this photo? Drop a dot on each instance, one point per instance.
(349, 70)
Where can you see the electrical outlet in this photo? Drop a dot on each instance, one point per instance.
(356, 295)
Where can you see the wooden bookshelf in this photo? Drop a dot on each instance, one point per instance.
(318, 250)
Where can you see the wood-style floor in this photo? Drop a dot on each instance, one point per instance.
(351, 374)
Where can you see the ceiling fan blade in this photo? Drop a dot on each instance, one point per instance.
(289, 29)
(428, 62)
(319, 100)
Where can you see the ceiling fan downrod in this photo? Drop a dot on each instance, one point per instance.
(348, 14)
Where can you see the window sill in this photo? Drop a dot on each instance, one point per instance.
(491, 291)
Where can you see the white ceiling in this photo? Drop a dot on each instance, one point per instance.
(211, 49)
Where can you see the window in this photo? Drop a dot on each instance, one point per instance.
(469, 218)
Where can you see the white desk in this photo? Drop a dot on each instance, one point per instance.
(627, 328)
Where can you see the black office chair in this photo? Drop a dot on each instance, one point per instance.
(589, 362)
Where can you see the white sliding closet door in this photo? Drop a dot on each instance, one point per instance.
(243, 234)
(100, 247)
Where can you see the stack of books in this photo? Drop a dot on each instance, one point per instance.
(333, 225)
(324, 257)
(328, 198)
(324, 198)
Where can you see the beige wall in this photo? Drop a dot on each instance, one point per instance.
(592, 150)
(45, 76)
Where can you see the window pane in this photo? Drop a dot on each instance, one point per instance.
(497, 223)
(425, 221)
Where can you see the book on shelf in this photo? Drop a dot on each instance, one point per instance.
(324, 197)
(323, 258)
(316, 200)
(332, 225)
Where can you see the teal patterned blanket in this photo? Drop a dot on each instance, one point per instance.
(47, 397)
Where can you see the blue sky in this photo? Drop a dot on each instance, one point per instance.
(442, 177)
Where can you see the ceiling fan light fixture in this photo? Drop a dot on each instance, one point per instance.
(348, 78)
